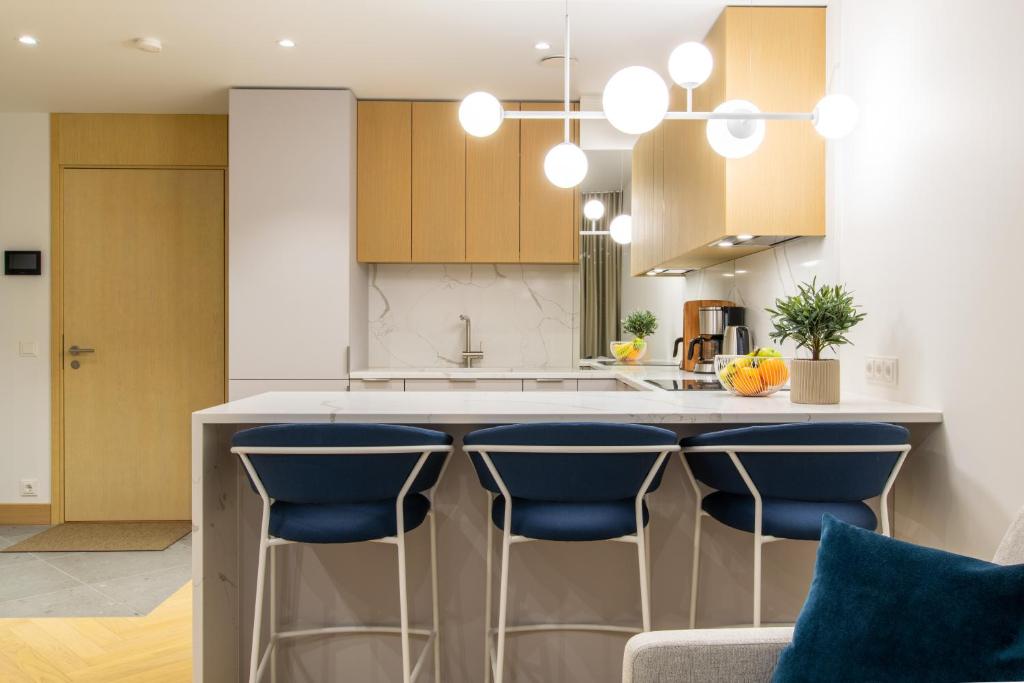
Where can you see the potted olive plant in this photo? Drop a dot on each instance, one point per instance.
(640, 324)
(816, 318)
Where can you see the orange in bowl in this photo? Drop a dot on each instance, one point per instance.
(773, 372)
(747, 381)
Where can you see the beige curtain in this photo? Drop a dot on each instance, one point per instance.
(600, 279)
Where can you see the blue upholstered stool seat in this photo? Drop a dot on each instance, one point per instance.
(344, 522)
(553, 521)
(782, 518)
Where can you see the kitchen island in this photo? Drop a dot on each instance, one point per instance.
(561, 582)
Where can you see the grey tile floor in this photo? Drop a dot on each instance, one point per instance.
(114, 584)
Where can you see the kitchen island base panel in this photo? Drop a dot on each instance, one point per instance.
(563, 582)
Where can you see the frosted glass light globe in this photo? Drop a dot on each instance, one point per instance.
(635, 100)
(835, 116)
(735, 139)
(481, 114)
(690, 64)
(621, 228)
(593, 210)
(565, 165)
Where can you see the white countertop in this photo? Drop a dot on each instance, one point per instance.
(488, 407)
(482, 373)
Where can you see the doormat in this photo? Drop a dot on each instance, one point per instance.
(103, 537)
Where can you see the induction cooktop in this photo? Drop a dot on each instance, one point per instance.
(688, 384)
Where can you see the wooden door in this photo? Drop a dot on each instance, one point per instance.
(143, 285)
(384, 187)
(438, 183)
(492, 194)
(547, 214)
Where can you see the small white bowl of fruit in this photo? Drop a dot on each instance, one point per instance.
(759, 373)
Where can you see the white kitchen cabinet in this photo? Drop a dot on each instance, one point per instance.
(549, 384)
(242, 388)
(377, 385)
(297, 296)
(467, 384)
(601, 385)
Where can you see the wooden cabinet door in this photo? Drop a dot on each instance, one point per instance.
(547, 214)
(492, 195)
(384, 187)
(438, 183)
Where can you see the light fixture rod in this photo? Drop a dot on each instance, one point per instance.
(567, 59)
(672, 115)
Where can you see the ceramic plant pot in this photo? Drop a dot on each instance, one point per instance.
(814, 381)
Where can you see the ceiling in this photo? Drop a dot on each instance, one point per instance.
(419, 49)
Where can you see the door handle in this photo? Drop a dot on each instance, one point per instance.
(78, 350)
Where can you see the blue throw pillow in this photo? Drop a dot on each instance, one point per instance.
(885, 610)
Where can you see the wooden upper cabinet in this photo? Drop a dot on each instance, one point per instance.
(384, 185)
(547, 214)
(438, 183)
(774, 57)
(492, 194)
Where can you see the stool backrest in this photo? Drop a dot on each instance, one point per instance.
(806, 476)
(346, 478)
(570, 477)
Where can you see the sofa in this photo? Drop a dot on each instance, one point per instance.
(739, 655)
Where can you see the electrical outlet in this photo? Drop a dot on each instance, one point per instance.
(882, 370)
(30, 487)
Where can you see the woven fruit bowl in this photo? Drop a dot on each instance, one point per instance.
(752, 375)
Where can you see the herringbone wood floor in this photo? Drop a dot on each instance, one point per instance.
(156, 648)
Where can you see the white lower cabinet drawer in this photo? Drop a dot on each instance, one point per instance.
(377, 385)
(468, 384)
(546, 384)
(601, 385)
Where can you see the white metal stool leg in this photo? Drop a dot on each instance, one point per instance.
(433, 587)
(261, 571)
(489, 589)
(695, 578)
(272, 579)
(645, 597)
(506, 545)
(403, 605)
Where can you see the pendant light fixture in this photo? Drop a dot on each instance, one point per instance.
(636, 99)
(565, 164)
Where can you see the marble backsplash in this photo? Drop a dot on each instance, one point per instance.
(524, 316)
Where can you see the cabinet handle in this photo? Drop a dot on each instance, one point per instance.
(549, 380)
(462, 379)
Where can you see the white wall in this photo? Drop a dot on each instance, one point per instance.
(25, 307)
(932, 191)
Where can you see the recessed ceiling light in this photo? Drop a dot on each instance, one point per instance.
(725, 243)
(542, 46)
(741, 272)
(286, 42)
(28, 40)
(727, 275)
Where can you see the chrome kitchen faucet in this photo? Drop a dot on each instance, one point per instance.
(468, 355)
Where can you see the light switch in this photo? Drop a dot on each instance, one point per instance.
(28, 349)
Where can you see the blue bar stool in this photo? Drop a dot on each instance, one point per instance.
(565, 482)
(778, 481)
(343, 483)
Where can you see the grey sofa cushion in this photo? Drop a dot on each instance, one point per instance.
(737, 655)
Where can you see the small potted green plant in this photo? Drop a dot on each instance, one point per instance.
(816, 318)
(640, 324)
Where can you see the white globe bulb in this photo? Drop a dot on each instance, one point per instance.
(635, 100)
(737, 138)
(690, 64)
(481, 114)
(621, 228)
(565, 165)
(593, 210)
(835, 116)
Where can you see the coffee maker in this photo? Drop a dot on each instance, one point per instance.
(708, 343)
